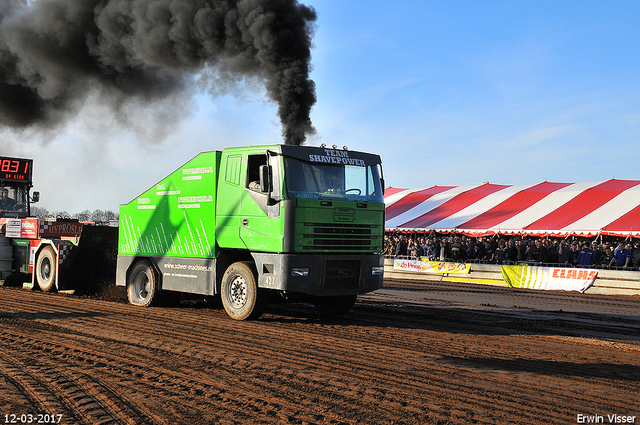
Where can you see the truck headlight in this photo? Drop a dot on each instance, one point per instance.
(377, 271)
(303, 272)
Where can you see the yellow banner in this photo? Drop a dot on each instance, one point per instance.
(549, 278)
(431, 266)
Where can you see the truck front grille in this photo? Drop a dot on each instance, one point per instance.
(341, 237)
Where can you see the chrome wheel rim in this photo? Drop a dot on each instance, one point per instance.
(238, 292)
(45, 269)
(141, 286)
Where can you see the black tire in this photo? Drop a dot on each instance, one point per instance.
(239, 292)
(142, 285)
(46, 266)
(334, 306)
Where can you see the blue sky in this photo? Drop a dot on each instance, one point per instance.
(446, 92)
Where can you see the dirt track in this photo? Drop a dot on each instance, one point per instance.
(402, 356)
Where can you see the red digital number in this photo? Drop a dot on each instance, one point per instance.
(10, 166)
(13, 169)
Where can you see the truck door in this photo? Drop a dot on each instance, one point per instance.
(260, 229)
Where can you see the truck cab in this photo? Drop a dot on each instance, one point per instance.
(15, 184)
(13, 201)
(15, 204)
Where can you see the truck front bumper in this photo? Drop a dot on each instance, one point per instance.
(320, 275)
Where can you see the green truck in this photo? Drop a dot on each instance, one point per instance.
(299, 222)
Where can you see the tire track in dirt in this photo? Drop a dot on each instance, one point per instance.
(268, 351)
(140, 380)
(279, 377)
(32, 393)
(58, 387)
(338, 386)
(383, 363)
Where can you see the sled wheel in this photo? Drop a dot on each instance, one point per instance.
(46, 269)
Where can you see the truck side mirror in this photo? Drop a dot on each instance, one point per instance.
(266, 179)
(36, 197)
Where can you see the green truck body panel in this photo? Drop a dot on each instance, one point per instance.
(176, 217)
(323, 211)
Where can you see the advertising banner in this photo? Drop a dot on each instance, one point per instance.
(431, 266)
(25, 228)
(58, 229)
(549, 278)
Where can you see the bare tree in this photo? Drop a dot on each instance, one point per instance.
(40, 212)
(98, 215)
(61, 214)
(110, 215)
(83, 215)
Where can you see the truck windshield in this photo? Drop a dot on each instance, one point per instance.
(327, 181)
(13, 201)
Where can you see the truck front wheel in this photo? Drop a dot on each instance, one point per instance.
(239, 292)
(142, 289)
(334, 306)
(46, 269)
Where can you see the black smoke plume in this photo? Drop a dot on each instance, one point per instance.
(53, 53)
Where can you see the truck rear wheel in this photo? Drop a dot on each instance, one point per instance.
(239, 292)
(142, 285)
(334, 306)
(46, 269)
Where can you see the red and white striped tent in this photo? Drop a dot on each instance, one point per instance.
(546, 209)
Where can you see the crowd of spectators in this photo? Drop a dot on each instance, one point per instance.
(500, 249)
